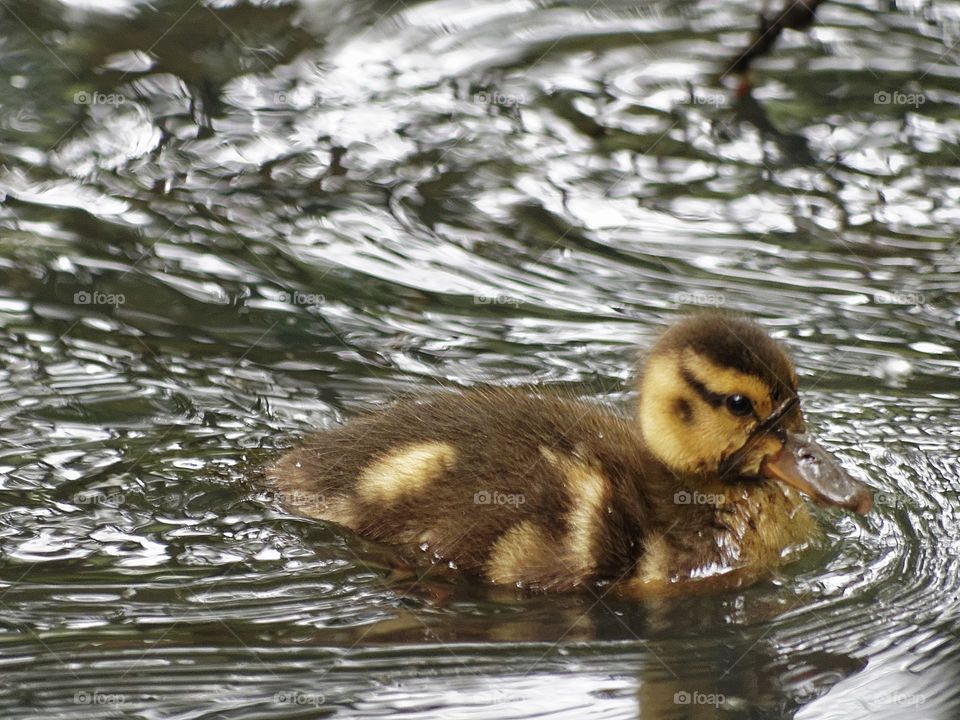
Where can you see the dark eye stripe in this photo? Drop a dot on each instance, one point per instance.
(710, 397)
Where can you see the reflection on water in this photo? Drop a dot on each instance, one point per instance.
(226, 225)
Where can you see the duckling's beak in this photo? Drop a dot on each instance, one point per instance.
(806, 466)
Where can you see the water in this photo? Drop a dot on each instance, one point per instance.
(227, 225)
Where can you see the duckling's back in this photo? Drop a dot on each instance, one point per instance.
(533, 490)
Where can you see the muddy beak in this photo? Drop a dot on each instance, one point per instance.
(816, 473)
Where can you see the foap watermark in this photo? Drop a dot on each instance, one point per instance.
(297, 697)
(296, 98)
(906, 699)
(487, 497)
(495, 697)
(698, 298)
(301, 298)
(899, 298)
(897, 97)
(97, 497)
(685, 697)
(496, 300)
(95, 297)
(499, 98)
(714, 98)
(683, 497)
(301, 499)
(890, 500)
(84, 97)
(97, 697)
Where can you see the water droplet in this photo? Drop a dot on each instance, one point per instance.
(894, 371)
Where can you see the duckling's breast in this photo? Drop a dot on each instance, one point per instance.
(763, 524)
(736, 534)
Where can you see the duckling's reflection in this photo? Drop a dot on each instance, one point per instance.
(794, 148)
(692, 657)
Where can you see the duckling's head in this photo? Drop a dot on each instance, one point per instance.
(718, 399)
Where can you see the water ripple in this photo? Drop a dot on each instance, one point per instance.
(224, 226)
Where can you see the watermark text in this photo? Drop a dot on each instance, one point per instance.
(486, 497)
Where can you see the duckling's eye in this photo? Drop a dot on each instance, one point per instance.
(739, 405)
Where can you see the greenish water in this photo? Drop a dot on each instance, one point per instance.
(226, 225)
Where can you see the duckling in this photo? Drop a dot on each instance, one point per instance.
(546, 492)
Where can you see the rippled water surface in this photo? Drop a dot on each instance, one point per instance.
(226, 224)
